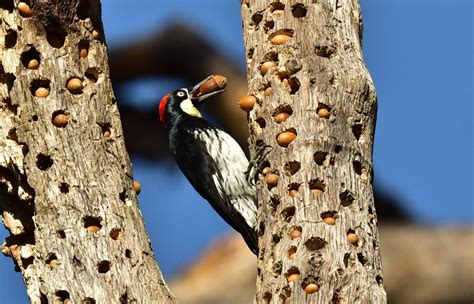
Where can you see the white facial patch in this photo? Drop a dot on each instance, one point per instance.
(188, 107)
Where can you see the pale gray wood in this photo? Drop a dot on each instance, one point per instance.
(324, 56)
(57, 181)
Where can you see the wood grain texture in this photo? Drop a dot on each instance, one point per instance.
(76, 231)
(324, 197)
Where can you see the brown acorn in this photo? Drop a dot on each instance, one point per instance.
(285, 138)
(247, 103)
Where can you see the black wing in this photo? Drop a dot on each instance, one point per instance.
(203, 174)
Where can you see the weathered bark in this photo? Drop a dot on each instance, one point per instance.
(319, 240)
(65, 178)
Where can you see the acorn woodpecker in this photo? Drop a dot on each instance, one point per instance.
(211, 159)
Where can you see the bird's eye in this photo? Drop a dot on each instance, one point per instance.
(180, 94)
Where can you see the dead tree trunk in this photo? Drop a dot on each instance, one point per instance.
(316, 106)
(65, 178)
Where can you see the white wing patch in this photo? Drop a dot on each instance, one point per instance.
(232, 164)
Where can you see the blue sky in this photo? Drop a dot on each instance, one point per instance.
(419, 53)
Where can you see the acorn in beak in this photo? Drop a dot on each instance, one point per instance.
(212, 85)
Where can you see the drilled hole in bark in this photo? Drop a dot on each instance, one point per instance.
(282, 112)
(281, 36)
(347, 198)
(64, 188)
(116, 234)
(268, 25)
(10, 38)
(293, 189)
(34, 117)
(315, 243)
(267, 297)
(261, 122)
(52, 260)
(310, 284)
(61, 234)
(361, 258)
(31, 58)
(261, 229)
(44, 162)
(122, 195)
(256, 19)
(324, 111)
(379, 280)
(40, 88)
(83, 48)
(347, 256)
(276, 238)
(55, 37)
(92, 74)
(329, 217)
(128, 253)
(357, 167)
(294, 85)
(277, 267)
(288, 213)
(274, 202)
(319, 157)
(292, 274)
(250, 53)
(83, 9)
(317, 186)
(106, 129)
(325, 51)
(103, 266)
(292, 167)
(276, 6)
(88, 301)
(291, 253)
(7, 78)
(286, 294)
(60, 118)
(92, 223)
(12, 135)
(337, 149)
(7, 5)
(295, 232)
(299, 10)
(357, 130)
(63, 295)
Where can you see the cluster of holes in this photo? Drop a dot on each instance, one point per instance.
(347, 198)
(315, 243)
(43, 161)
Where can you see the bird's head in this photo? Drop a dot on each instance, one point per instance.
(186, 102)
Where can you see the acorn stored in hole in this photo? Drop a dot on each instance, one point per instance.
(93, 229)
(267, 66)
(281, 117)
(83, 52)
(311, 288)
(41, 92)
(352, 238)
(272, 180)
(60, 120)
(280, 39)
(74, 85)
(285, 138)
(24, 10)
(33, 64)
(295, 233)
(247, 103)
(293, 277)
(323, 113)
(329, 220)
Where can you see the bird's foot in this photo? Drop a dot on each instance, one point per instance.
(256, 160)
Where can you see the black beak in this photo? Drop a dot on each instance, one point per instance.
(198, 97)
